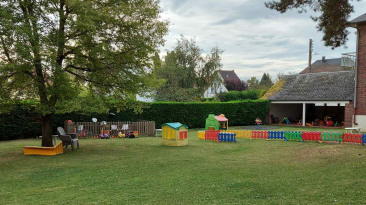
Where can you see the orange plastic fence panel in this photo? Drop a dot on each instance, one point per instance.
(212, 135)
(311, 136)
(260, 134)
(355, 138)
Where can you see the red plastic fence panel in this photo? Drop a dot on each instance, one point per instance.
(311, 136)
(212, 135)
(355, 138)
(260, 134)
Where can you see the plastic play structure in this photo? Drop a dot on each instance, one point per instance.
(216, 129)
(175, 134)
(258, 122)
(285, 119)
(219, 122)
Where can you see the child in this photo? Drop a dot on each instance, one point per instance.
(258, 122)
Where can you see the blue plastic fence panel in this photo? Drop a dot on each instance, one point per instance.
(364, 139)
(276, 135)
(227, 137)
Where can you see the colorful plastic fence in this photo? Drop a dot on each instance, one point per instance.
(227, 137)
(231, 135)
(259, 134)
(354, 138)
(290, 135)
(241, 133)
(332, 137)
(276, 135)
(212, 135)
(311, 136)
(201, 135)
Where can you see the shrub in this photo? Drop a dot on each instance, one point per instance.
(252, 94)
(193, 114)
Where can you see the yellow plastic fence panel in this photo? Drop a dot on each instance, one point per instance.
(201, 135)
(240, 133)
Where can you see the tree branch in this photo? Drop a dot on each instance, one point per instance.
(6, 50)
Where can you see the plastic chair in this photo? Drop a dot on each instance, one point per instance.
(68, 138)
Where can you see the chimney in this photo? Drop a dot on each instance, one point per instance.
(323, 59)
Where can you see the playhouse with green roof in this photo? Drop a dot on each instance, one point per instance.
(175, 134)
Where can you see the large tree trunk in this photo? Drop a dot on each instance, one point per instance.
(47, 130)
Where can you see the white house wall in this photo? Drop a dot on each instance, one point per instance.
(361, 121)
(211, 91)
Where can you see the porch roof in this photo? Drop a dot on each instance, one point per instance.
(327, 86)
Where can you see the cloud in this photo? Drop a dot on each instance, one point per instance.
(254, 39)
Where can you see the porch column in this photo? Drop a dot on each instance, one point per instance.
(303, 114)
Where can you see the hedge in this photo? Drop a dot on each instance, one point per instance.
(241, 95)
(24, 122)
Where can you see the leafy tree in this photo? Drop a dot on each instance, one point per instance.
(186, 68)
(55, 51)
(332, 20)
(266, 82)
(236, 85)
(253, 83)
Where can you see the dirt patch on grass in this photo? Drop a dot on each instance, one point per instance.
(10, 156)
(313, 153)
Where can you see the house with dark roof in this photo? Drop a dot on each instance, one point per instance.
(331, 65)
(325, 90)
(217, 87)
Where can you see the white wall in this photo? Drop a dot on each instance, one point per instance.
(211, 91)
(361, 120)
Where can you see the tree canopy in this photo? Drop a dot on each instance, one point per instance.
(55, 51)
(332, 20)
(264, 84)
(187, 72)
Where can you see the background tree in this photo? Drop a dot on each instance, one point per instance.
(266, 82)
(187, 73)
(55, 51)
(332, 20)
(236, 85)
(253, 83)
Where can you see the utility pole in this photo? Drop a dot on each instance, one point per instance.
(310, 53)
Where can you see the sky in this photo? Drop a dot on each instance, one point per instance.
(254, 38)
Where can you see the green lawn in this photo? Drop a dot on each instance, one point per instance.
(142, 171)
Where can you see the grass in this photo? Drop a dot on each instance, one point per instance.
(142, 171)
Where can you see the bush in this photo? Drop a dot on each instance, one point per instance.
(241, 95)
(193, 114)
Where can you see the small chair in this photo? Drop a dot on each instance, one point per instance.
(68, 139)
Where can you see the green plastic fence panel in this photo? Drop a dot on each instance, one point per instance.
(332, 136)
(293, 136)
